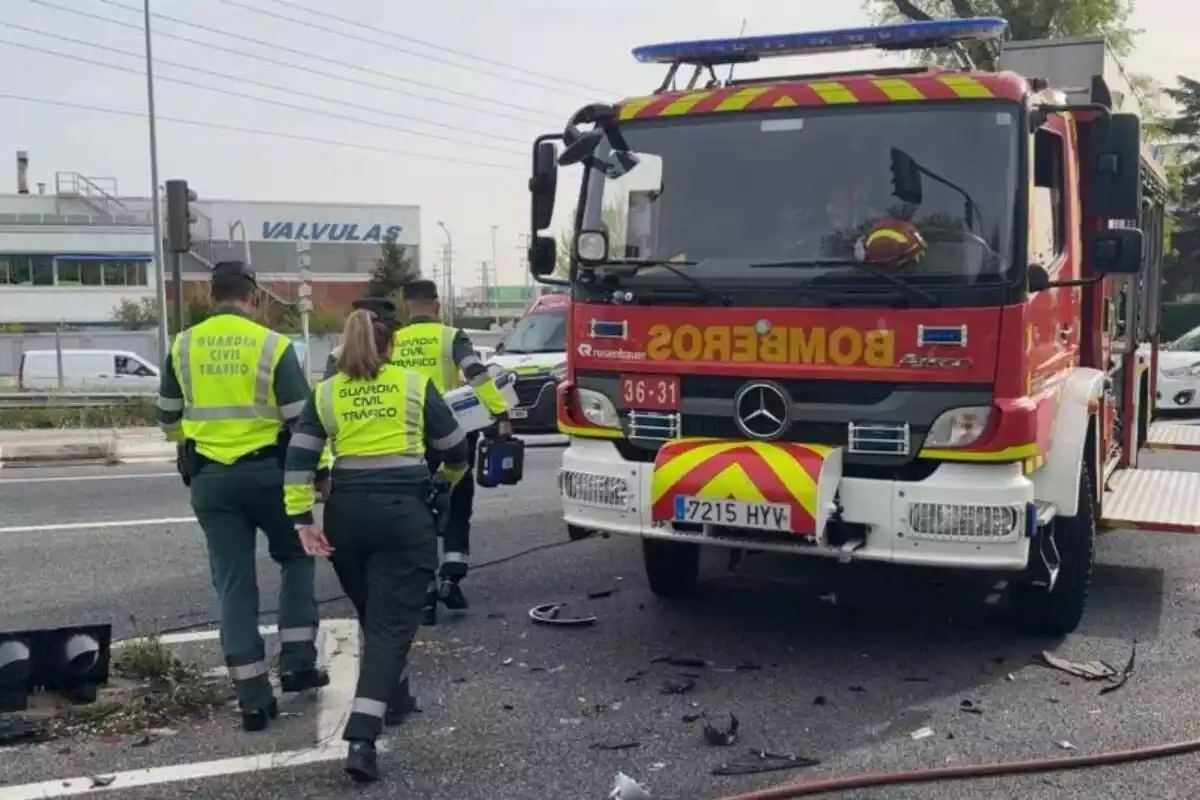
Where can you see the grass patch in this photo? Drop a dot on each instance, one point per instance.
(134, 414)
(155, 689)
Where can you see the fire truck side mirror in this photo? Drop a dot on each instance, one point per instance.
(906, 178)
(543, 256)
(543, 186)
(1117, 251)
(1116, 170)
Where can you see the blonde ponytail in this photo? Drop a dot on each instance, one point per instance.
(366, 345)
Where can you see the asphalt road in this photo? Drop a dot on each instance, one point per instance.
(839, 664)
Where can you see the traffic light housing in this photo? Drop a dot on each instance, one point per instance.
(73, 661)
(180, 216)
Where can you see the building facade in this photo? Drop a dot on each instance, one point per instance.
(72, 253)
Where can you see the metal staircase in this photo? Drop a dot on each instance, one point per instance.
(98, 194)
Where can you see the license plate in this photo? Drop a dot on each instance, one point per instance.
(518, 413)
(734, 513)
(650, 392)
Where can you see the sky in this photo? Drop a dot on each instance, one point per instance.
(424, 67)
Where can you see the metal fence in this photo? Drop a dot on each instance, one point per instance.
(145, 344)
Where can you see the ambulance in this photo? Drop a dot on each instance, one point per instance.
(535, 352)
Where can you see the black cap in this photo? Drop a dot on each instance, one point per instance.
(230, 269)
(420, 289)
(381, 307)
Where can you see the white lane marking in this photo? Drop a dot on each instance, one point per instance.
(80, 478)
(110, 523)
(339, 651)
(174, 773)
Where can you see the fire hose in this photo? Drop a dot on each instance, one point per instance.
(970, 771)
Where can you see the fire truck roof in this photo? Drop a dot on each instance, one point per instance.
(904, 36)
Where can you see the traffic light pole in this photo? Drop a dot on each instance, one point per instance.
(176, 262)
(160, 273)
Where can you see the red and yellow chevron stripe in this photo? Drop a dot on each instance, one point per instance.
(789, 94)
(753, 472)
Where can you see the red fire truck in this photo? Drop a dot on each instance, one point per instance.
(892, 315)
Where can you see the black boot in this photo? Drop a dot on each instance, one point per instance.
(400, 706)
(255, 721)
(430, 610)
(452, 596)
(303, 680)
(361, 762)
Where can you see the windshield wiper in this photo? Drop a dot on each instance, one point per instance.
(672, 266)
(915, 291)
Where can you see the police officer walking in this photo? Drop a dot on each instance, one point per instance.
(440, 353)
(379, 420)
(230, 389)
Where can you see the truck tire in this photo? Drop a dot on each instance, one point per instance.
(672, 568)
(1059, 611)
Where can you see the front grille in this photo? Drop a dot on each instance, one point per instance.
(833, 434)
(528, 390)
(806, 390)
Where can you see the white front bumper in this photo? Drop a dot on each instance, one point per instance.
(882, 506)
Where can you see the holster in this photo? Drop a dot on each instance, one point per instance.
(439, 503)
(187, 461)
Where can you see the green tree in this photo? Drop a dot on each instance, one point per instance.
(136, 315)
(394, 268)
(1027, 19)
(1181, 272)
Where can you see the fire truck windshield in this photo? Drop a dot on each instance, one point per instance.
(727, 192)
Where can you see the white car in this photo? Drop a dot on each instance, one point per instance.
(1179, 373)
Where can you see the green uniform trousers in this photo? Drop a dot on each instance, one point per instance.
(232, 503)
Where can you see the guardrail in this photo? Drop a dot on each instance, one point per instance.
(71, 399)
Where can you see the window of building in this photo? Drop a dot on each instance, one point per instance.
(100, 272)
(21, 270)
(1047, 212)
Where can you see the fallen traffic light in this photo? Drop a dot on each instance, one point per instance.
(72, 661)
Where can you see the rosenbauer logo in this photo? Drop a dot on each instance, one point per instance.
(587, 351)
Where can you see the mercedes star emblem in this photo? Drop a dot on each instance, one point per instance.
(762, 410)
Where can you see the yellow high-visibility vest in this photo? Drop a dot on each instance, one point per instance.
(428, 348)
(375, 424)
(226, 369)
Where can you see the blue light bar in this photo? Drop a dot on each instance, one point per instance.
(905, 36)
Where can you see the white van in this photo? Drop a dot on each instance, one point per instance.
(87, 370)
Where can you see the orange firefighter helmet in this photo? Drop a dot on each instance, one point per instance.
(890, 242)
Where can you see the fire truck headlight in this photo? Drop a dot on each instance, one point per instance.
(1183, 372)
(559, 373)
(16, 669)
(591, 246)
(597, 409)
(958, 427)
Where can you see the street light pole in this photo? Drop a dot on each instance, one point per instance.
(160, 275)
(448, 262)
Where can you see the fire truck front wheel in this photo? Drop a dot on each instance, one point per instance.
(1069, 543)
(672, 568)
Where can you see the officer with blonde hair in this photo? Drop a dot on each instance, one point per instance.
(379, 420)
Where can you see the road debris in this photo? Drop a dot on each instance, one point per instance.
(969, 707)
(548, 614)
(626, 788)
(690, 718)
(1125, 673)
(678, 687)
(820, 700)
(683, 662)
(598, 594)
(100, 781)
(758, 761)
(721, 738)
(1088, 670)
(1065, 745)
(858, 689)
(637, 676)
(921, 733)
(15, 731)
(613, 746)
